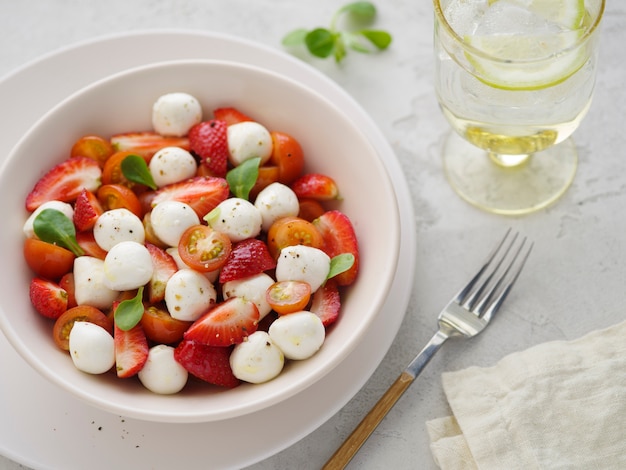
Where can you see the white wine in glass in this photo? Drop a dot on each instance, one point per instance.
(514, 78)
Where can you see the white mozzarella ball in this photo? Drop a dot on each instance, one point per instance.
(303, 263)
(118, 225)
(92, 348)
(189, 294)
(275, 201)
(299, 335)
(89, 285)
(257, 359)
(237, 218)
(175, 113)
(170, 219)
(180, 264)
(251, 288)
(128, 265)
(247, 140)
(171, 165)
(60, 206)
(162, 374)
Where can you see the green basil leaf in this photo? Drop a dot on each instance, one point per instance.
(380, 39)
(242, 178)
(129, 312)
(364, 11)
(340, 263)
(320, 42)
(295, 37)
(212, 216)
(135, 169)
(53, 226)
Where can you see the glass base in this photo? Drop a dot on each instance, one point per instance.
(531, 185)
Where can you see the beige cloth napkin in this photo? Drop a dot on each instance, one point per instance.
(558, 405)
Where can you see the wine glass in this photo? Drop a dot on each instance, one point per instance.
(514, 78)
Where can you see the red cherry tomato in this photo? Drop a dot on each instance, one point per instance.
(63, 325)
(287, 155)
(67, 283)
(94, 147)
(288, 296)
(267, 175)
(112, 172)
(310, 209)
(290, 231)
(204, 249)
(47, 260)
(161, 327)
(116, 196)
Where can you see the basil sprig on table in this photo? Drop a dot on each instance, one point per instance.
(324, 42)
(53, 226)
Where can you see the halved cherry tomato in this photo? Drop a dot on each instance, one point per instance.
(67, 283)
(288, 296)
(288, 156)
(63, 325)
(116, 196)
(161, 327)
(47, 260)
(267, 176)
(94, 147)
(151, 237)
(290, 231)
(204, 249)
(112, 172)
(310, 209)
(87, 242)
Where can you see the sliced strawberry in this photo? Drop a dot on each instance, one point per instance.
(146, 144)
(208, 363)
(208, 141)
(131, 350)
(65, 181)
(86, 210)
(247, 258)
(326, 303)
(339, 237)
(87, 242)
(202, 193)
(315, 186)
(231, 115)
(48, 298)
(164, 266)
(228, 323)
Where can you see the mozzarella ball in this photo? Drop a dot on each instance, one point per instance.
(89, 285)
(275, 201)
(303, 263)
(128, 265)
(299, 335)
(63, 207)
(171, 165)
(118, 225)
(180, 264)
(189, 294)
(237, 218)
(175, 113)
(162, 374)
(92, 348)
(251, 288)
(257, 359)
(170, 219)
(247, 140)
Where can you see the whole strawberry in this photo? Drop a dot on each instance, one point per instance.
(208, 140)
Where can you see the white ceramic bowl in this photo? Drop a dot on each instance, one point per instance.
(122, 103)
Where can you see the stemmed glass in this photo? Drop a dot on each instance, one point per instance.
(514, 78)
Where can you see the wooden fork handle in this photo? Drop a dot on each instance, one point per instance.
(353, 443)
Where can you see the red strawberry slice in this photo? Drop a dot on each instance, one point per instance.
(315, 186)
(48, 298)
(326, 303)
(208, 141)
(87, 242)
(131, 350)
(65, 181)
(208, 363)
(146, 144)
(87, 209)
(247, 258)
(202, 193)
(231, 115)
(164, 267)
(228, 323)
(339, 237)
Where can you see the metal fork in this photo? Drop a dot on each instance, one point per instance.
(466, 315)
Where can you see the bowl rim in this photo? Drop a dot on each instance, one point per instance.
(163, 415)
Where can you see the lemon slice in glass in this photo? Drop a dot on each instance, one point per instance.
(567, 13)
